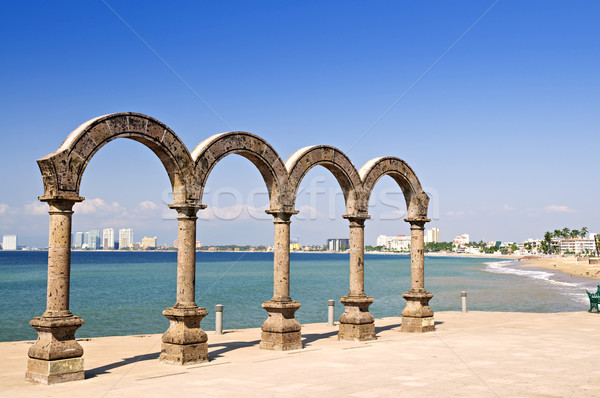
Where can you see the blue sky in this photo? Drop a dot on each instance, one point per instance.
(502, 130)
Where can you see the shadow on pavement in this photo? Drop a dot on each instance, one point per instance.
(104, 369)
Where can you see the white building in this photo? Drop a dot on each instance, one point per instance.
(432, 235)
(577, 246)
(399, 243)
(461, 240)
(126, 238)
(382, 240)
(78, 240)
(9, 242)
(336, 245)
(532, 245)
(108, 238)
(91, 240)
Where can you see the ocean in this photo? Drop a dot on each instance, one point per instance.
(124, 293)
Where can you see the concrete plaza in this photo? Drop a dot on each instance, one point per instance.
(479, 354)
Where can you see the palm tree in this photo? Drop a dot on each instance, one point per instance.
(548, 242)
(544, 247)
(584, 231)
(557, 233)
(566, 232)
(575, 234)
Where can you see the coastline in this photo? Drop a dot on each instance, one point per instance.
(565, 265)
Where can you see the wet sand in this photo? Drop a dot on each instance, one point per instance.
(566, 265)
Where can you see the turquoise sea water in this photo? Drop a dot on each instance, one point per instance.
(121, 293)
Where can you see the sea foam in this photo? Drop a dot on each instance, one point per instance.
(571, 289)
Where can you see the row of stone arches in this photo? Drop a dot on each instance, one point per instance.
(185, 342)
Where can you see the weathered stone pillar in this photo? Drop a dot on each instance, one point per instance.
(356, 323)
(281, 331)
(56, 356)
(417, 316)
(185, 342)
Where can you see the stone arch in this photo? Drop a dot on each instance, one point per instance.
(63, 169)
(416, 199)
(333, 160)
(258, 151)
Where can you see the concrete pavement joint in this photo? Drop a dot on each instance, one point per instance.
(354, 348)
(132, 366)
(207, 365)
(467, 366)
(158, 377)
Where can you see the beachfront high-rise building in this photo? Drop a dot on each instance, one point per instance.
(9, 242)
(432, 235)
(336, 245)
(125, 238)
(108, 238)
(77, 240)
(149, 243)
(92, 240)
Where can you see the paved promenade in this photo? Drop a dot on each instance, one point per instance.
(479, 354)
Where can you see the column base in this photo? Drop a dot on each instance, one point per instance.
(56, 371)
(417, 325)
(56, 338)
(184, 342)
(357, 332)
(280, 341)
(177, 354)
(281, 331)
(356, 323)
(417, 316)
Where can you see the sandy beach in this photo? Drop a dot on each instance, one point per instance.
(567, 265)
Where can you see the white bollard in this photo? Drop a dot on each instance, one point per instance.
(219, 319)
(463, 296)
(331, 304)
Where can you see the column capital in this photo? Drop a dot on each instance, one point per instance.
(73, 199)
(281, 216)
(61, 204)
(187, 210)
(417, 222)
(356, 220)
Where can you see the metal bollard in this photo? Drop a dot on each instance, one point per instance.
(463, 296)
(331, 304)
(219, 319)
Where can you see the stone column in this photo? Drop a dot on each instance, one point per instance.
(56, 356)
(417, 316)
(356, 323)
(281, 331)
(185, 342)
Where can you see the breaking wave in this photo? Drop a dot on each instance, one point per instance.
(572, 289)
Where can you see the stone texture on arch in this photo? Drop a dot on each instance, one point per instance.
(258, 151)
(416, 199)
(63, 169)
(333, 160)
(56, 356)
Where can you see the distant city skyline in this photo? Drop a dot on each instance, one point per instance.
(493, 107)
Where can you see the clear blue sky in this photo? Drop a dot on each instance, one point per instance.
(502, 130)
